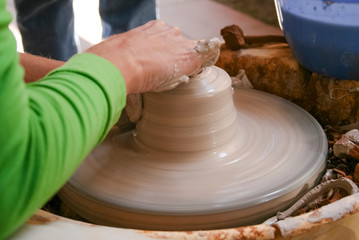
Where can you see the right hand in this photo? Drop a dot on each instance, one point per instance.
(149, 55)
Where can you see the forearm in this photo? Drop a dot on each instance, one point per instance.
(47, 127)
(37, 67)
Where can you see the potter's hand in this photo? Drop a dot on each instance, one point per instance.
(150, 56)
(209, 52)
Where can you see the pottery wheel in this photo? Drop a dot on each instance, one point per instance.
(203, 156)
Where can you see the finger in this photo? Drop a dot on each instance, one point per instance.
(154, 24)
(203, 53)
(176, 31)
(209, 50)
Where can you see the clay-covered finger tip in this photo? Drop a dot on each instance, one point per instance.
(209, 50)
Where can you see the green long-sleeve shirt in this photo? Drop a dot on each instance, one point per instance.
(48, 127)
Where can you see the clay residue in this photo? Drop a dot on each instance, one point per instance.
(134, 106)
(323, 194)
(329, 213)
(209, 49)
(333, 211)
(38, 219)
(172, 82)
(255, 232)
(241, 80)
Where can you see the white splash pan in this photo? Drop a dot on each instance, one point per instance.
(339, 220)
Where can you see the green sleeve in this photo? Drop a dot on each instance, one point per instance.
(48, 127)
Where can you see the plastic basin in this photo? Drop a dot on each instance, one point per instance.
(323, 35)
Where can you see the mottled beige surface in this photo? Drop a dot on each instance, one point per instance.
(273, 69)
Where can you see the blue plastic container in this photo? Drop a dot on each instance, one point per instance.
(323, 35)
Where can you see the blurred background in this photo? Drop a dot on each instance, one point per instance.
(263, 10)
(198, 19)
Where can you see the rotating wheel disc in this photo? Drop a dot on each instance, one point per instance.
(277, 154)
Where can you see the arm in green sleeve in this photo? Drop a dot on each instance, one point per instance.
(48, 127)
